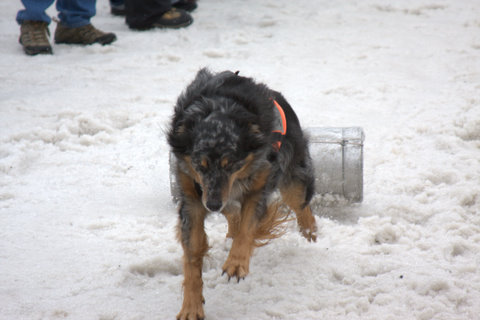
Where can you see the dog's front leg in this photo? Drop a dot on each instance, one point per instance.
(194, 243)
(232, 213)
(238, 261)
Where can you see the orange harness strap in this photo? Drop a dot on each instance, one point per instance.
(281, 131)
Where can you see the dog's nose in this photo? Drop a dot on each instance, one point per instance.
(214, 205)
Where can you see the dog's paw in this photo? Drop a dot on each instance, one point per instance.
(191, 313)
(192, 309)
(236, 267)
(310, 234)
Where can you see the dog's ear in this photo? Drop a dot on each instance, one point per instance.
(194, 89)
(180, 139)
(254, 138)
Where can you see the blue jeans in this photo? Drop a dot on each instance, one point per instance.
(72, 13)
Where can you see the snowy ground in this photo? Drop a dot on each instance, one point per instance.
(87, 224)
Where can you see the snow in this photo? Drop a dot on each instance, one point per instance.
(87, 222)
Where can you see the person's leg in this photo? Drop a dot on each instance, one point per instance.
(34, 11)
(187, 5)
(75, 13)
(117, 7)
(117, 2)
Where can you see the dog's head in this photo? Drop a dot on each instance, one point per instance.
(218, 142)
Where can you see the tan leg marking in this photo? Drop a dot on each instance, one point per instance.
(294, 197)
(193, 252)
(238, 261)
(233, 219)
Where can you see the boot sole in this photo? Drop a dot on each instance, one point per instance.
(104, 40)
(32, 51)
(172, 26)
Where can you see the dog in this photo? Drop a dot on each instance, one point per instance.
(236, 143)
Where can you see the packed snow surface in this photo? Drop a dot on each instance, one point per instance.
(87, 222)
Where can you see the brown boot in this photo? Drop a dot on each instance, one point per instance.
(34, 37)
(85, 35)
(173, 18)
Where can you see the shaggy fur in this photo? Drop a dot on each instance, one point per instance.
(221, 134)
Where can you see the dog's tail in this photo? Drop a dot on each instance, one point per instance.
(273, 224)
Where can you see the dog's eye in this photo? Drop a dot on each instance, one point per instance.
(225, 162)
(204, 164)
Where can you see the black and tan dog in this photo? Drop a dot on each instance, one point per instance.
(236, 142)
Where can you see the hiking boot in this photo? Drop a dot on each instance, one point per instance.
(34, 37)
(173, 18)
(87, 34)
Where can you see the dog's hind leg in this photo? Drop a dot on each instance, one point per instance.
(293, 195)
(195, 245)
